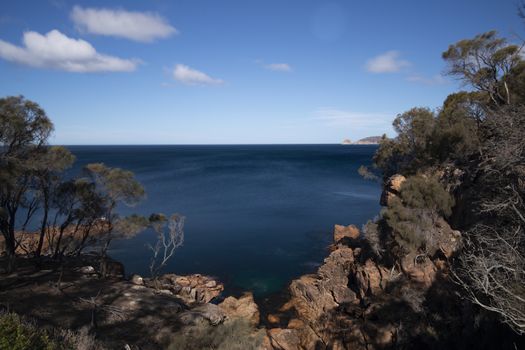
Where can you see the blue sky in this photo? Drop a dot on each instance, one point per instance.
(216, 72)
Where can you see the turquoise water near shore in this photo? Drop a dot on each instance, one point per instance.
(257, 216)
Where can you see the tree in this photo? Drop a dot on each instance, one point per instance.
(484, 62)
(49, 169)
(410, 150)
(24, 130)
(413, 214)
(116, 187)
(170, 236)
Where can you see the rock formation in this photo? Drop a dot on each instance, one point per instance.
(357, 301)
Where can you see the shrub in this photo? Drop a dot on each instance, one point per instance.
(372, 235)
(236, 334)
(17, 334)
(412, 215)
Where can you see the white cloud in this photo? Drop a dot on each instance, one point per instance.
(57, 51)
(279, 67)
(340, 118)
(435, 80)
(139, 26)
(388, 62)
(190, 76)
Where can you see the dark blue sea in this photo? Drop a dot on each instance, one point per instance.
(257, 216)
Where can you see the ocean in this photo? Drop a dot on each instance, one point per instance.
(257, 216)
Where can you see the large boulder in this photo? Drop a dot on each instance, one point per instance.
(419, 269)
(284, 339)
(345, 232)
(312, 296)
(391, 189)
(244, 307)
(208, 312)
(369, 279)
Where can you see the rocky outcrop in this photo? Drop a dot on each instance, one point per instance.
(243, 307)
(391, 189)
(355, 301)
(315, 295)
(190, 288)
(345, 232)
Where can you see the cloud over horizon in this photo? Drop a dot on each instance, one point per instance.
(138, 26)
(55, 50)
(388, 62)
(190, 76)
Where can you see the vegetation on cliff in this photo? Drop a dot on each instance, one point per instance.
(466, 163)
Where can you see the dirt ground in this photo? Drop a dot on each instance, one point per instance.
(73, 296)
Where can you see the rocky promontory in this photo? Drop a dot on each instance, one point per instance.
(371, 140)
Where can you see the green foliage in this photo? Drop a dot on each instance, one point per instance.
(484, 62)
(411, 216)
(372, 235)
(117, 184)
(419, 192)
(410, 149)
(231, 335)
(15, 334)
(456, 133)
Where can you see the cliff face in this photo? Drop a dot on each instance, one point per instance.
(355, 302)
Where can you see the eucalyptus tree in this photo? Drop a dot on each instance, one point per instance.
(49, 168)
(24, 132)
(116, 187)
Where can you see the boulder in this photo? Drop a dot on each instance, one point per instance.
(284, 339)
(137, 280)
(209, 312)
(87, 270)
(369, 279)
(273, 318)
(244, 307)
(191, 288)
(312, 296)
(419, 269)
(341, 232)
(391, 189)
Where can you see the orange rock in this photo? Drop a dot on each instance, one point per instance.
(273, 318)
(244, 307)
(349, 231)
(295, 324)
(391, 189)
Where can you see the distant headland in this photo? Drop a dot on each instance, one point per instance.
(371, 140)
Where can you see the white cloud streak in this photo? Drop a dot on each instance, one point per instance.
(57, 51)
(138, 26)
(434, 80)
(190, 76)
(388, 62)
(278, 67)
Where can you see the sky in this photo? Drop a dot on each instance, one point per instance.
(235, 71)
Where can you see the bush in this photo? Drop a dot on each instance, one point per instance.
(372, 235)
(17, 334)
(412, 215)
(231, 335)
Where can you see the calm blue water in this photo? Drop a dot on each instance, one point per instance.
(256, 216)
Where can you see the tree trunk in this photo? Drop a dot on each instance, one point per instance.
(10, 246)
(43, 227)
